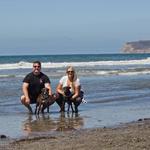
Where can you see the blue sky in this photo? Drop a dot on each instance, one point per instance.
(71, 26)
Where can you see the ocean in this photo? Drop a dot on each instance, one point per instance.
(116, 87)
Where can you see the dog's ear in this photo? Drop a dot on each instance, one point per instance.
(64, 88)
(68, 87)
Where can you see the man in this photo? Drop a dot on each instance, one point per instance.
(32, 85)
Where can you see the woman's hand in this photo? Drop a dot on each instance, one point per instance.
(73, 98)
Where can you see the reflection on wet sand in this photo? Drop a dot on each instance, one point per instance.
(41, 123)
(67, 122)
(44, 123)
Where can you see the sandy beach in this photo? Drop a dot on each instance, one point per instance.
(130, 136)
(116, 96)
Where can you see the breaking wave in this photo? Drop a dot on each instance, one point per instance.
(23, 65)
(98, 68)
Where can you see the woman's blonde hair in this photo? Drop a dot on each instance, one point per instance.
(73, 69)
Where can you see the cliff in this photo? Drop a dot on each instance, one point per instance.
(137, 47)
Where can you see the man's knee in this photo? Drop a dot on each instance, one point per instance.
(23, 99)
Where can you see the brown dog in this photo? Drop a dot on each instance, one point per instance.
(44, 100)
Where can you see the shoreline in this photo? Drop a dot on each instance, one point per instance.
(133, 135)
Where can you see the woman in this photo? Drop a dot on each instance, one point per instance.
(69, 80)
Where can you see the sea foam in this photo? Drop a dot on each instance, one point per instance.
(23, 64)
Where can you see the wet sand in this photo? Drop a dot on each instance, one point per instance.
(134, 136)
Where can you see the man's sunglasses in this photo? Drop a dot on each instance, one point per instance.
(36, 66)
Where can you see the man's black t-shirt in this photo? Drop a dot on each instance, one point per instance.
(36, 83)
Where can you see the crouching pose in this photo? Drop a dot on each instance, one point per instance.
(71, 81)
(33, 84)
(44, 100)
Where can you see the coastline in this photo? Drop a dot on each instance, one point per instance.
(116, 89)
(134, 135)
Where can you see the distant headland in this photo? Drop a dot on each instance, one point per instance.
(142, 46)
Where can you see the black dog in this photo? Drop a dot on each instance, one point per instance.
(61, 100)
(44, 100)
(67, 99)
